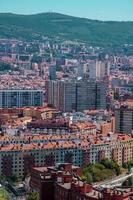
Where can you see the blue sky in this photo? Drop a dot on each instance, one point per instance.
(93, 9)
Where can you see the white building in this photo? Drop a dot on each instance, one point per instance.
(99, 69)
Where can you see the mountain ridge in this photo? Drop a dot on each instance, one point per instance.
(95, 32)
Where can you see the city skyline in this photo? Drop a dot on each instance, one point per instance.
(92, 9)
(66, 99)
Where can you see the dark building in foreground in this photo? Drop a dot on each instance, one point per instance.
(14, 98)
(69, 95)
(63, 182)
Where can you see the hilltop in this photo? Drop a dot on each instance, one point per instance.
(95, 32)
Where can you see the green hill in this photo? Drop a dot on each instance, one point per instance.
(54, 24)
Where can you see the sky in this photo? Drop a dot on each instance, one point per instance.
(120, 10)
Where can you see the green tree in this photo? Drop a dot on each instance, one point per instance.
(99, 166)
(14, 178)
(36, 59)
(101, 171)
(128, 182)
(58, 68)
(33, 196)
(88, 178)
(5, 66)
(110, 164)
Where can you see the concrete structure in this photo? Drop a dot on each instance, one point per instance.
(124, 119)
(20, 98)
(52, 73)
(99, 69)
(69, 96)
(102, 69)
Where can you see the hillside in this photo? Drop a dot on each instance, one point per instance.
(54, 24)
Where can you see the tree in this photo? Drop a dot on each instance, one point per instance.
(36, 59)
(33, 196)
(5, 66)
(128, 165)
(99, 166)
(58, 68)
(116, 95)
(2, 178)
(88, 178)
(125, 165)
(128, 182)
(100, 171)
(110, 164)
(14, 178)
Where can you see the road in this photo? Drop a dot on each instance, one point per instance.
(114, 181)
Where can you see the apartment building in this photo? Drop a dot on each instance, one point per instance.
(20, 98)
(19, 154)
(120, 150)
(60, 126)
(68, 95)
(124, 119)
(20, 158)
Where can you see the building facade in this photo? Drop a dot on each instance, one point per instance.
(20, 98)
(69, 96)
(63, 183)
(52, 72)
(19, 159)
(124, 119)
(120, 151)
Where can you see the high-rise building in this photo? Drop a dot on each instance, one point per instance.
(61, 95)
(52, 95)
(92, 70)
(100, 95)
(99, 69)
(20, 98)
(102, 69)
(124, 119)
(69, 96)
(80, 70)
(52, 72)
(86, 95)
